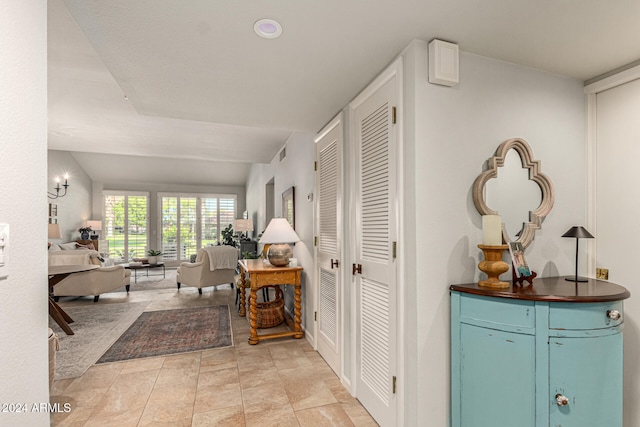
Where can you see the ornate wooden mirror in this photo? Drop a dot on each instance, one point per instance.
(523, 197)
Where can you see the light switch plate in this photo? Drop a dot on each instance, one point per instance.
(4, 249)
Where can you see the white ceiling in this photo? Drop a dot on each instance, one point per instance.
(202, 85)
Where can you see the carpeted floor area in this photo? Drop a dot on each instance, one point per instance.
(174, 331)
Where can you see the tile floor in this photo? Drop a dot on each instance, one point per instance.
(281, 382)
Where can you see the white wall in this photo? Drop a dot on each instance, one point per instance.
(448, 138)
(76, 206)
(296, 170)
(23, 150)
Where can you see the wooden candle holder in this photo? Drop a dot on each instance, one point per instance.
(493, 266)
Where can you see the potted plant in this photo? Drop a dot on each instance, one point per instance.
(84, 232)
(227, 236)
(153, 256)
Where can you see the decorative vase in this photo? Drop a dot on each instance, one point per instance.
(153, 260)
(279, 254)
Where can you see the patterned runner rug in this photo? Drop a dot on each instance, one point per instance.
(163, 332)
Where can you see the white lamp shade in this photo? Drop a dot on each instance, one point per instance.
(54, 231)
(242, 225)
(279, 231)
(94, 224)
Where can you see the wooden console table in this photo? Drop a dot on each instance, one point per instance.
(264, 274)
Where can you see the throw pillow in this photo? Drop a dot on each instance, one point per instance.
(54, 248)
(71, 246)
(87, 246)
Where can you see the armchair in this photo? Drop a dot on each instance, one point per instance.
(215, 265)
(93, 282)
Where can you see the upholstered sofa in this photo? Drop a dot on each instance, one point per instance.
(106, 278)
(215, 265)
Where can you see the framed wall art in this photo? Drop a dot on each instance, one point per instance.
(288, 206)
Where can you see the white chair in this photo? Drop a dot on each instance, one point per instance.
(214, 266)
(93, 282)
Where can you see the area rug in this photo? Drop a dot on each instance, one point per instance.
(164, 332)
(96, 327)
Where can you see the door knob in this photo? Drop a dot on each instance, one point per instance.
(614, 314)
(561, 400)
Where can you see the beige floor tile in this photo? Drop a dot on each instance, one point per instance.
(76, 417)
(277, 417)
(60, 385)
(169, 406)
(218, 377)
(324, 416)
(217, 397)
(225, 417)
(281, 382)
(81, 399)
(259, 378)
(98, 376)
(358, 415)
(143, 364)
(265, 398)
(129, 393)
(124, 418)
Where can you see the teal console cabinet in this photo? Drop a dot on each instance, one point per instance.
(532, 356)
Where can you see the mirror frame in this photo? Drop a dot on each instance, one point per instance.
(536, 217)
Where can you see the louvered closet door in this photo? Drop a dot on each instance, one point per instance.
(329, 190)
(375, 234)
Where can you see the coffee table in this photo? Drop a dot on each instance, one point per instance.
(147, 267)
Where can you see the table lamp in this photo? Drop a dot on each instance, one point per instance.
(279, 234)
(577, 232)
(242, 225)
(53, 231)
(95, 225)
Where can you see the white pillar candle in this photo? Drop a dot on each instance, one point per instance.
(491, 230)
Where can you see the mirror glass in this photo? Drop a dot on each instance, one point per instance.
(513, 194)
(514, 187)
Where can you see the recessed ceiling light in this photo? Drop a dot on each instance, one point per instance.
(267, 28)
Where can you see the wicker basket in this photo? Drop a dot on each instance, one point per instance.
(271, 313)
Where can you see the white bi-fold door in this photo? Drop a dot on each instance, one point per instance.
(375, 131)
(329, 143)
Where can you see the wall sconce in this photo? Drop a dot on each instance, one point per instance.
(57, 188)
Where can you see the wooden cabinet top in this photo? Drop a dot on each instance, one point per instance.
(552, 289)
(259, 265)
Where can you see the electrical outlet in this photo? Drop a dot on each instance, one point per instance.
(602, 273)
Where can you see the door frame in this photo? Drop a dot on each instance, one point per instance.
(395, 69)
(591, 92)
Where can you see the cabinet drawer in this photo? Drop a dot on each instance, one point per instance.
(581, 316)
(482, 311)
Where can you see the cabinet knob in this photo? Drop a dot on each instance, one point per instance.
(561, 400)
(614, 314)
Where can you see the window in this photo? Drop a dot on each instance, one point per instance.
(189, 222)
(126, 224)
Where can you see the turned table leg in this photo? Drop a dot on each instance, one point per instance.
(297, 321)
(243, 284)
(253, 317)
